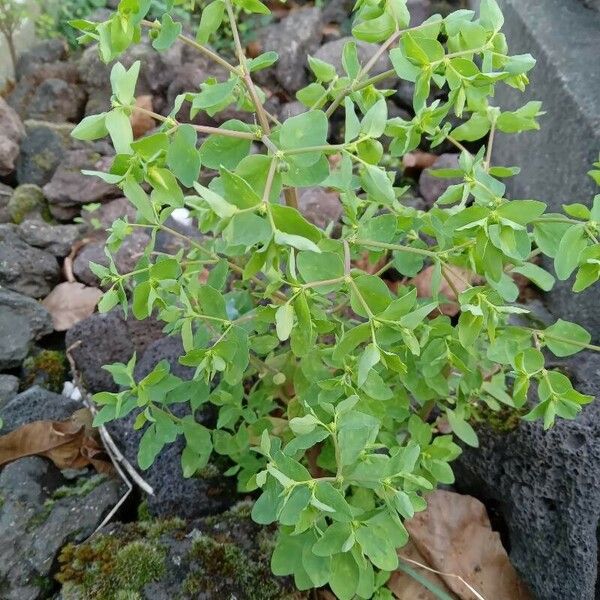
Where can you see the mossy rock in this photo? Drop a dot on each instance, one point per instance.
(47, 369)
(26, 201)
(226, 556)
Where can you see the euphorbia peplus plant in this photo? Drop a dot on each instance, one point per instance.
(332, 391)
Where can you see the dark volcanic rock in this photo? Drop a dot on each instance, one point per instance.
(546, 486)
(6, 193)
(57, 100)
(36, 404)
(37, 520)
(103, 339)
(25, 269)
(69, 188)
(56, 239)
(22, 321)
(48, 51)
(295, 36)
(125, 258)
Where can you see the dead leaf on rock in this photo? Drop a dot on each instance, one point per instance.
(454, 537)
(71, 302)
(142, 123)
(418, 160)
(68, 444)
(455, 279)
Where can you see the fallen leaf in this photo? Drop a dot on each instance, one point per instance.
(455, 279)
(454, 537)
(142, 123)
(69, 444)
(71, 302)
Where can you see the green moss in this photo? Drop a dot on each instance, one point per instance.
(26, 200)
(103, 570)
(47, 369)
(504, 420)
(222, 568)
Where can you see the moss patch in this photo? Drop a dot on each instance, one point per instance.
(47, 369)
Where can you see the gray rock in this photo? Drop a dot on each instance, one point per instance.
(169, 349)
(36, 404)
(35, 522)
(41, 151)
(6, 193)
(126, 257)
(25, 269)
(319, 206)
(431, 187)
(22, 321)
(108, 213)
(546, 486)
(331, 52)
(9, 387)
(569, 138)
(11, 134)
(28, 202)
(48, 51)
(56, 239)
(57, 100)
(291, 109)
(295, 36)
(594, 4)
(69, 188)
(103, 339)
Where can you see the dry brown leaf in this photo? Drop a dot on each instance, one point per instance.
(68, 444)
(71, 302)
(142, 123)
(455, 279)
(454, 536)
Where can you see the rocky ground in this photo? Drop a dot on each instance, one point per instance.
(180, 543)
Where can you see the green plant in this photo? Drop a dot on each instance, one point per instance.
(331, 390)
(53, 20)
(12, 14)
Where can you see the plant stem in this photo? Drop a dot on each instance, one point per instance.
(199, 128)
(488, 155)
(542, 332)
(397, 247)
(194, 44)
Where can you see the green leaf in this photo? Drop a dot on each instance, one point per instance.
(264, 61)
(323, 71)
(168, 33)
(295, 241)
(374, 122)
(284, 321)
(119, 128)
(379, 549)
(319, 267)
(238, 191)
(572, 244)
(537, 275)
(375, 30)
(247, 229)
(91, 128)
(210, 21)
(352, 128)
(369, 290)
(490, 15)
(345, 576)
(350, 60)
(183, 158)
(369, 358)
(139, 199)
(123, 82)
(216, 202)
(462, 429)
(304, 131)
(565, 338)
(222, 151)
